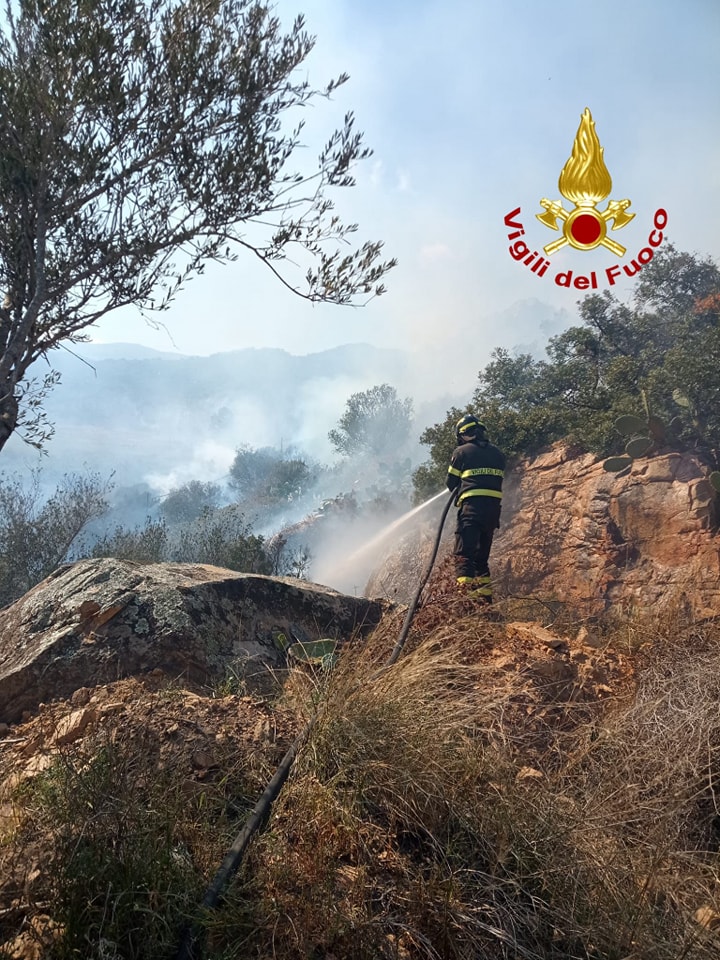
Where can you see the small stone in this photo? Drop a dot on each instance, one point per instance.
(263, 731)
(73, 726)
(114, 706)
(596, 643)
(203, 760)
(33, 944)
(556, 643)
(707, 917)
(529, 773)
(81, 697)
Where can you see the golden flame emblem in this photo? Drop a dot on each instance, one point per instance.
(585, 181)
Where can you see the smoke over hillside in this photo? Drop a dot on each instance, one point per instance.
(156, 421)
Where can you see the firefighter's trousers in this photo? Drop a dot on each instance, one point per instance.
(477, 520)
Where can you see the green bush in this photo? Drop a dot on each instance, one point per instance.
(122, 880)
(39, 531)
(663, 348)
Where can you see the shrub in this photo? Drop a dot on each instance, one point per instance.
(39, 532)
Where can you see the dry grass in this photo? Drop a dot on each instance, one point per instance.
(423, 822)
(650, 794)
(412, 830)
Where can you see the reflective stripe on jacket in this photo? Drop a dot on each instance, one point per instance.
(476, 470)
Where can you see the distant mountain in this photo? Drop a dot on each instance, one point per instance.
(92, 352)
(527, 325)
(164, 418)
(160, 419)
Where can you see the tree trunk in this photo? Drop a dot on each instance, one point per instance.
(8, 416)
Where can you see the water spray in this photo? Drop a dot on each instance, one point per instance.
(387, 531)
(338, 574)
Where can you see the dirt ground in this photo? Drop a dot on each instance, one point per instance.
(562, 673)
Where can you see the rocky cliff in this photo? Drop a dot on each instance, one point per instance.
(574, 532)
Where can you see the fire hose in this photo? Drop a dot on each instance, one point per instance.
(261, 811)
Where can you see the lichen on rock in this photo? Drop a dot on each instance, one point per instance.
(98, 620)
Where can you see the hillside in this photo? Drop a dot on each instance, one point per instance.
(589, 539)
(150, 416)
(535, 781)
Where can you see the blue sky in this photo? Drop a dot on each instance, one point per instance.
(471, 109)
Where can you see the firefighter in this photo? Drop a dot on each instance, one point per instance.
(476, 472)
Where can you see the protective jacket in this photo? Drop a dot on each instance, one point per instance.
(476, 470)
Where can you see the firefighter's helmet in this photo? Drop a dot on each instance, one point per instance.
(469, 427)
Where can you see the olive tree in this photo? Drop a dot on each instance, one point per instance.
(140, 139)
(376, 423)
(188, 501)
(270, 477)
(40, 531)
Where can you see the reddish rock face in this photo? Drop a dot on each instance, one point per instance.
(574, 532)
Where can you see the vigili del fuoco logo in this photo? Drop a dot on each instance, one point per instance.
(585, 182)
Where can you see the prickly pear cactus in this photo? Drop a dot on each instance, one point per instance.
(617, 464)
(318, 653)
(645, 435)
(629, 424)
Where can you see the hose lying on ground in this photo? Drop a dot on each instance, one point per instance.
(261, 810)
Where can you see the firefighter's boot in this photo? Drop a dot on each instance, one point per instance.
(476, 588)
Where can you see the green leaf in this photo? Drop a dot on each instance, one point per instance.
(317, 652)
(714, 479)
(638, 446)
(680, 399)
(629, 424)
(616, 464)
